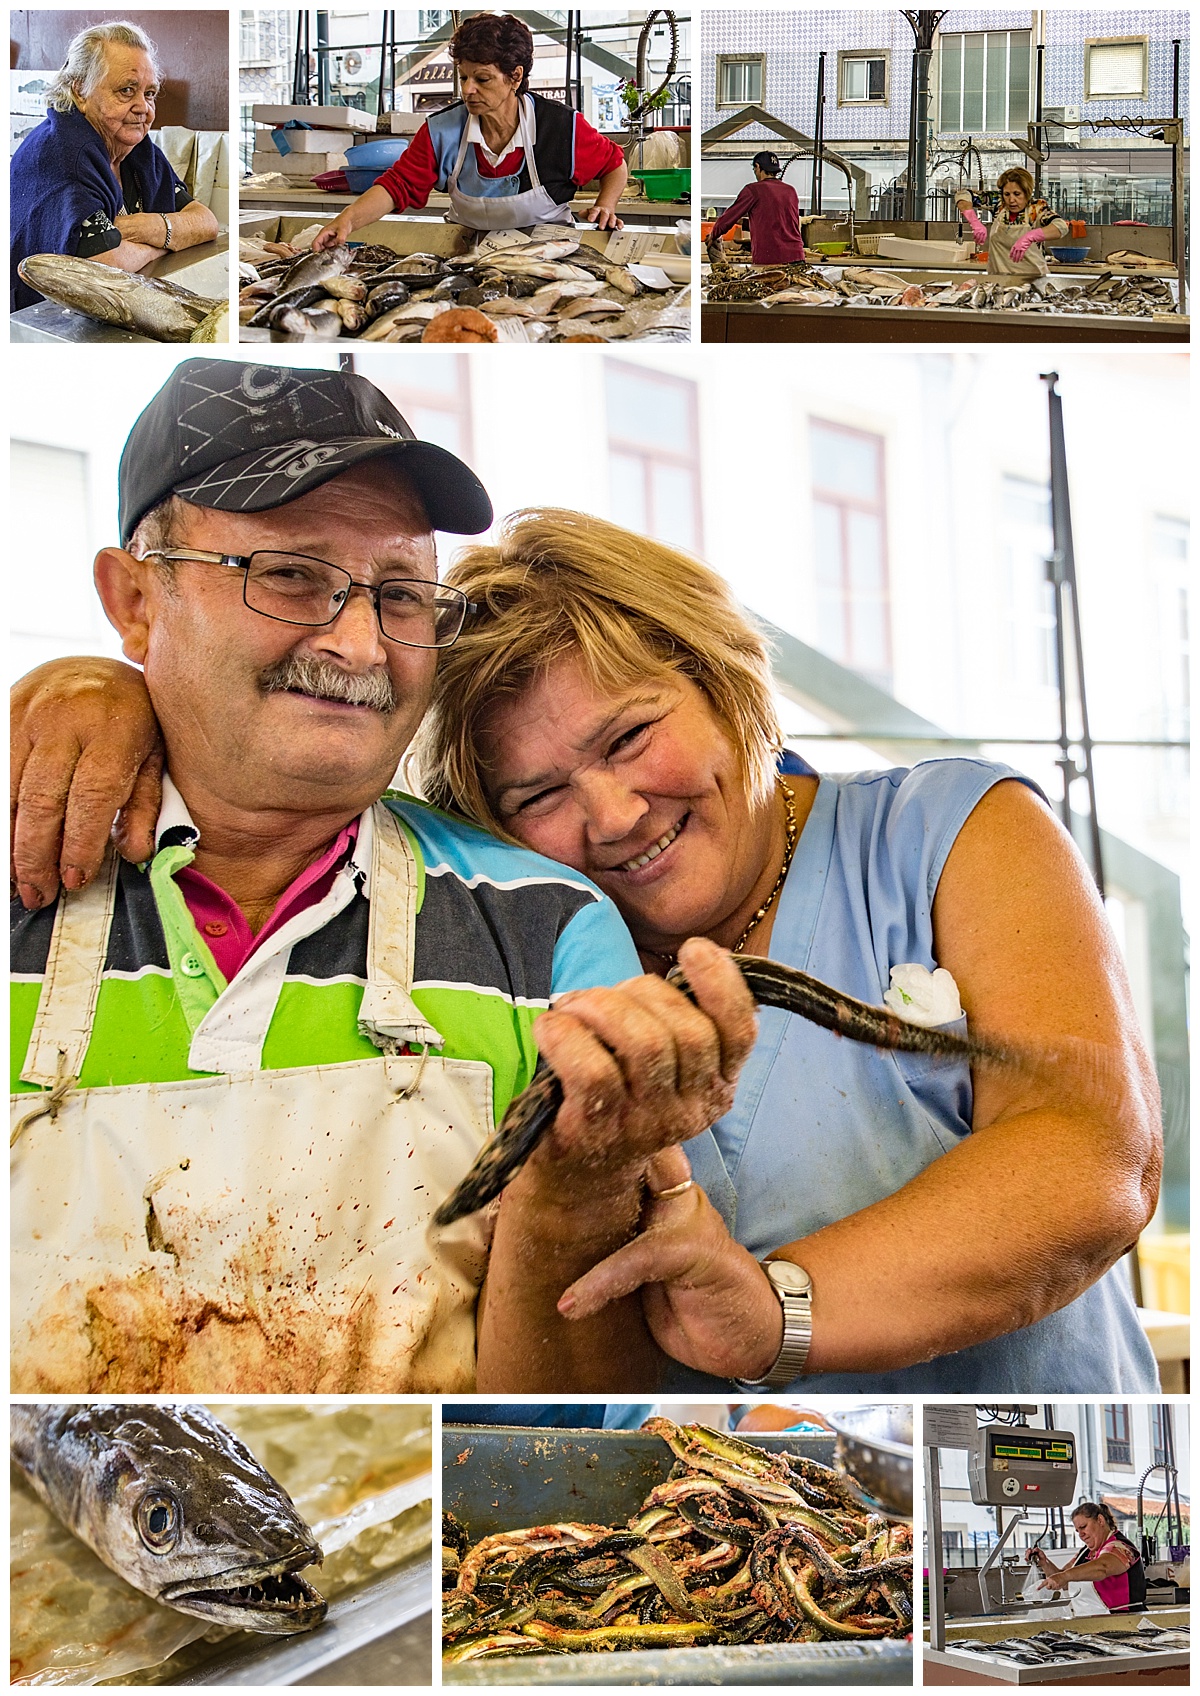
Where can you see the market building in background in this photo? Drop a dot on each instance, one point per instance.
(880, 122)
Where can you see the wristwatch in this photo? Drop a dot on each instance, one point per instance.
(169, 239)
(793, 1286)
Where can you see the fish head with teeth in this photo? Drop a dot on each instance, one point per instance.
(258, 711)
(641, 787)
(182, 1510)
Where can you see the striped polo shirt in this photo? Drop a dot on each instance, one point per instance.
(500, 933)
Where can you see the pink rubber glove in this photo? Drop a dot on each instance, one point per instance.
(1021, 246)
(971, 220)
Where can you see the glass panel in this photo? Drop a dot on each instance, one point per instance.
(844, 463)
(754, 81)
(1020, 54)
(875, 79)
(649, 410)
(627, 486)
(830, 633)
(673, 496)
(49, 524)
(950, 75)
(997, 82)
(436, 424)
(972, 106)
(864, 553)
(854, 72)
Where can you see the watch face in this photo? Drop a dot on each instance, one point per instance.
(787, 1276)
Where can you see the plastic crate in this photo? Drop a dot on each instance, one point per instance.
(665, 185)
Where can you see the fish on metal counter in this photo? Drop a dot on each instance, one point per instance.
(176, 1505)
(150, 306)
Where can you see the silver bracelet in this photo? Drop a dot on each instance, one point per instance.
(167, 228)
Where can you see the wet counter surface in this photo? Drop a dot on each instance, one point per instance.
(204, 269)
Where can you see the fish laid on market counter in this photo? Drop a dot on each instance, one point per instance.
(150, 306)
(174, 1503)
(516, 288)
(1109, 295)
(738, 1545)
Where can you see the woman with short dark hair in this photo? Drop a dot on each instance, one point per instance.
(507, 158)
(774, 213)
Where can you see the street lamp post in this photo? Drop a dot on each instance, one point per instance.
(924, 27)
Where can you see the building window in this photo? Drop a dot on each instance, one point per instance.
(741, 79)
(1160, 1432)
(434, 396)
(1118, 1445)
(983, 81)
(850, 534)
(862, 79)
(1027, 542)
(1115, 69)
(654, 454)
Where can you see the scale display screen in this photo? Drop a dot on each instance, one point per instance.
(1013, 1466)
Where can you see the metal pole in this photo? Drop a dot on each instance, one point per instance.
(383, 46)
(299, 68)
(912, 140)
(322, 58)
(1040, 80)
(1064, 579)
(567, 70)
(937, 1560)
(818, 133)
(1178, 187)
(922, 129)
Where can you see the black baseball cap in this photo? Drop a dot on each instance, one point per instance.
(246, 438)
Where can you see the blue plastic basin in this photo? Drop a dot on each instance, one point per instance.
(1070, 255)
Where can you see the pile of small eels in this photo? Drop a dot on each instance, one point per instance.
(739, 1545)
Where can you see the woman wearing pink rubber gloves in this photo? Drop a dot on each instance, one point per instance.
(1020, 229)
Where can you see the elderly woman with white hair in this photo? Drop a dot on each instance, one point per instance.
(89, 181)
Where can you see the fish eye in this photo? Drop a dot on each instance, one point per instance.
(159, 1521)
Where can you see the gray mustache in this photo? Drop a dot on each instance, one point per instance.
(330, 683)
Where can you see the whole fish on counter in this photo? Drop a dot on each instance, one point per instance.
(148, 305)
(177, 1506)
(400, 295)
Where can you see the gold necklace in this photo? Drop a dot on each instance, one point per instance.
(793, 836)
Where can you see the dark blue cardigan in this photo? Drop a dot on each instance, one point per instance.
(62, 179)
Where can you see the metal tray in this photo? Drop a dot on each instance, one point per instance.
(875, 1448)
(497, 1477)
(359, 1617)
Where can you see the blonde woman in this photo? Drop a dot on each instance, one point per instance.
(1020, 230)
(859, 1221)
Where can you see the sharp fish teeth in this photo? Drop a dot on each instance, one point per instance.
(654, 852)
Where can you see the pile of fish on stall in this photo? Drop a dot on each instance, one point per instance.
(1053, 1648)
(510, 287)
(1111, 295)
(149, 306)
(739, 1545)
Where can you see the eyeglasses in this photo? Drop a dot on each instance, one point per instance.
(296, 589)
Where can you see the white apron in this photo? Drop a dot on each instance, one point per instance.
(253, 1231)
(506, 211)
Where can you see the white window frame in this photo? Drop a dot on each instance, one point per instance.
(884, 53)
(981, 129)
(1141, 41)
(724, 59)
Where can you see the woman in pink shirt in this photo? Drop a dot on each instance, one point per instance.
(774, 214)
(1107, 1561)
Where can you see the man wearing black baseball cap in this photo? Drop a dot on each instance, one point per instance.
(252, 1066)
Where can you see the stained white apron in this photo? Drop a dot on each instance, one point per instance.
(1001, 237)
(264, 1231)
(506, 211)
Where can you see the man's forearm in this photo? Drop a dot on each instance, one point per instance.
(539, 1248)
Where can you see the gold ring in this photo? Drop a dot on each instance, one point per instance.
(675, 1189)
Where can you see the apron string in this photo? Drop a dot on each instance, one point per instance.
(64, 1083)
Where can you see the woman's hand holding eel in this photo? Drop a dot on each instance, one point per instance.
(642, 1070)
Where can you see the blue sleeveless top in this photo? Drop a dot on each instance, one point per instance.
(822, 1127)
